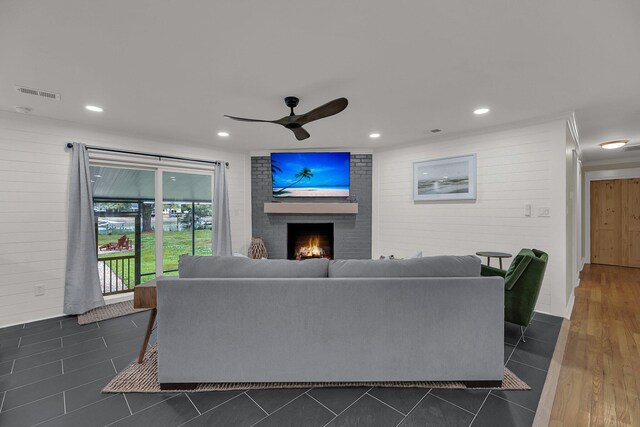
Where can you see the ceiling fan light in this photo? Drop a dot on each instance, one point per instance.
(612, 145)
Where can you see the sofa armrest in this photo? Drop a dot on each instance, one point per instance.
(486, 270)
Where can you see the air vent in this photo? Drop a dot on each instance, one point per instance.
(38, 92)
(632, 147)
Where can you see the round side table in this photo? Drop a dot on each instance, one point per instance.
(490, 255)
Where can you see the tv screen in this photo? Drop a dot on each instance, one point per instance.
(310, 174)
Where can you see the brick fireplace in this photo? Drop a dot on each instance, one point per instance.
(351, 232)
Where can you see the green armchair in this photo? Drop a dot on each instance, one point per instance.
(522, 282)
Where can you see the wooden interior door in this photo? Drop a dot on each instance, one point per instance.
(630, 194)
(606, 223)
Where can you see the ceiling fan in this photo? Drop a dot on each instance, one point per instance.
(296, 121)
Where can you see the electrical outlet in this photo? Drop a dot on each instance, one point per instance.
(39, 290)
(544, 212)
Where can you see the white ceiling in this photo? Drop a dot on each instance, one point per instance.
(172, 69)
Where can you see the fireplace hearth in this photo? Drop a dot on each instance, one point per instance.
(309, 240)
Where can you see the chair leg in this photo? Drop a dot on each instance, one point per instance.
(522, 333)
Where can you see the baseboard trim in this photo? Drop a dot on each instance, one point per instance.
(569, 309)
(545, 404)
(113, 299)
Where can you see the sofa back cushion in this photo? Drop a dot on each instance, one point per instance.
(238, 267)
(436, 266)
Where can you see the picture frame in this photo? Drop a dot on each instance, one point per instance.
(447, 178)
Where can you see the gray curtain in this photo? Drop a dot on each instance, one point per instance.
(82, 290)
(221, 242)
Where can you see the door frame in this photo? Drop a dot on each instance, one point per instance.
(599, 176)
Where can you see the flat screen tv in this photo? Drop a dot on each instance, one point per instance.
(306, 174)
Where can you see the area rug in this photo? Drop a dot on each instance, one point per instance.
(143, 378)
(108, 311)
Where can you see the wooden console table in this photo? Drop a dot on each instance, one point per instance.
(145, 296)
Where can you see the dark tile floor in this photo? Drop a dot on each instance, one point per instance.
(52, 371)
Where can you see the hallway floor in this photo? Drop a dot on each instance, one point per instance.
(599, 382)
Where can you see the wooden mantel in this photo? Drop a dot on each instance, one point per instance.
(311, 208)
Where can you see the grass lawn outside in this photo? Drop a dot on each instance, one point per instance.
(175, 244)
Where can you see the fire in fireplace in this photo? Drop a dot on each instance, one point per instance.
(309, 240)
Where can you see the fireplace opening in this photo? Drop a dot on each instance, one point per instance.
(309, 240)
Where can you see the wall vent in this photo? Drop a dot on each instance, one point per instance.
(38, 92)
(635, 147)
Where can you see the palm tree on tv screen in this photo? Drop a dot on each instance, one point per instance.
(275, 168)
(305, 173)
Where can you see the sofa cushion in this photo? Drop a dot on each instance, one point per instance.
(238, 267)
(436, 266)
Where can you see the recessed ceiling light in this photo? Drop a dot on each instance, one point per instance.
(374, 135)
(97, 176)
(94, 108)
(482, 110)
(612, 145)
(223, 134)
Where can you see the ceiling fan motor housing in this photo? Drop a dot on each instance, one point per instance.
(291, 101)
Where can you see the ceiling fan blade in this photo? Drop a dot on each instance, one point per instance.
(242, 119)
(300, 133)
(326, 110)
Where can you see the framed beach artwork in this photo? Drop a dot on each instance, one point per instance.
(450, 178)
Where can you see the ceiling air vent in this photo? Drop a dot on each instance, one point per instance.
(38, 92)
(632, 147)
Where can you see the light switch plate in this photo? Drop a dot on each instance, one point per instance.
(544, 211)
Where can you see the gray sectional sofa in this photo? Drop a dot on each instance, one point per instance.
(231, 319)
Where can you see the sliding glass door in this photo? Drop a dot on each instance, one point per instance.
(123, 200)
(146, 218)
(186, 211)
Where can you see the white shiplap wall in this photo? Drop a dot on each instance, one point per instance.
(515, 167)
(34, 173)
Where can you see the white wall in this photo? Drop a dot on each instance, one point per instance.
(34, 174)
(515, 167)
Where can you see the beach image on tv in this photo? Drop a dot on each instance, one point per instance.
(443, 178)
(310, 174)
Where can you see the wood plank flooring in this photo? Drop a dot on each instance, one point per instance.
(599, 382)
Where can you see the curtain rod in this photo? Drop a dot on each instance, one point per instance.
(159, 156)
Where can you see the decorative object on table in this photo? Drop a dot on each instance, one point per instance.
(522, 283)
(449, 178)
(490, 255)
(109, 311)
(257, 249)
(417, 255)
(143, 378)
